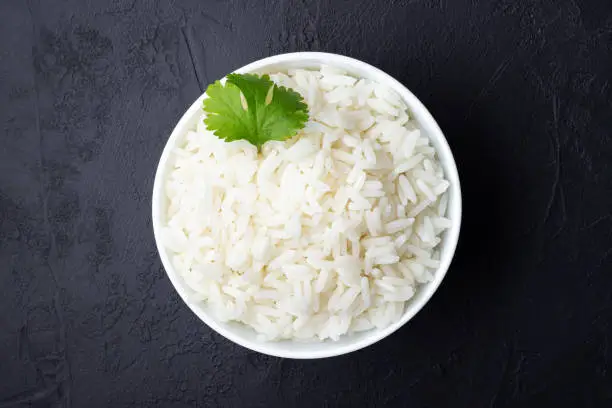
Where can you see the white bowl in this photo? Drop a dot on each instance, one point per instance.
(244, 335)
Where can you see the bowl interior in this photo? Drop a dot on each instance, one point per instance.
(246, 336)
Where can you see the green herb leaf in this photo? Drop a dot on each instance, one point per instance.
(253, 108)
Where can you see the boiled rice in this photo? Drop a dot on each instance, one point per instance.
(327, 234)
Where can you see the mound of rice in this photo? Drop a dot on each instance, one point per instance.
(326, 234)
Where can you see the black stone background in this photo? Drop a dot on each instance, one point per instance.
(89, 91)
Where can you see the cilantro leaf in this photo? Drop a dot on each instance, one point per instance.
(252, 107)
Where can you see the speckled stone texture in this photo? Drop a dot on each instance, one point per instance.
(89, 91)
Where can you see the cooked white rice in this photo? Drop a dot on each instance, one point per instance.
(329, 233)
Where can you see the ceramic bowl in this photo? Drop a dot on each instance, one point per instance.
(246, 336)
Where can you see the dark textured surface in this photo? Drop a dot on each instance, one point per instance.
(89, 91)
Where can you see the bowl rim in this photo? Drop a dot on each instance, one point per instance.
(374, 335)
